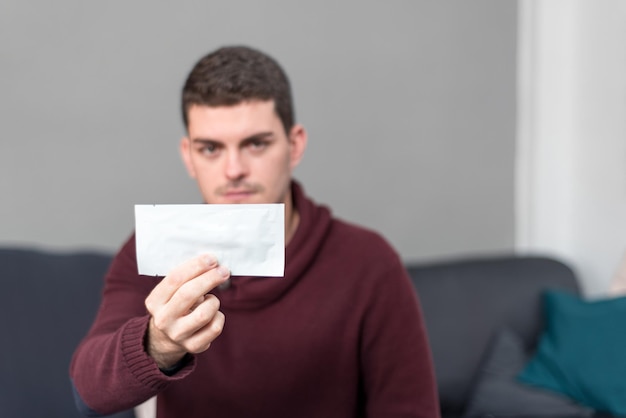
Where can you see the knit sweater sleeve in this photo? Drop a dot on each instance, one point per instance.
(110, 369)
(398, 372)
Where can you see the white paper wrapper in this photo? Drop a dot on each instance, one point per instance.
(248, 239)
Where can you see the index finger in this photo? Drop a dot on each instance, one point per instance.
(180, 275)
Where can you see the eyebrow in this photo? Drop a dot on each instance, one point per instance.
(260, 135)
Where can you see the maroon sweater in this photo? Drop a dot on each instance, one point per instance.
(341, 335)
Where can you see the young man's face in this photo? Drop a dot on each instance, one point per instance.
(241, 153)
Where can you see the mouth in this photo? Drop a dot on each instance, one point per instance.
(237, 195)
(238, 192)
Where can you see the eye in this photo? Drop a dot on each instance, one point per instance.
(257, 144)
(209, 149)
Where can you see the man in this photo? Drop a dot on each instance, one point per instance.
(340, 335)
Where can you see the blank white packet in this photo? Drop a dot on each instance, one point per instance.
(247, 238)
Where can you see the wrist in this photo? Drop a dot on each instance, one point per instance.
(172, 370)
(164, 358)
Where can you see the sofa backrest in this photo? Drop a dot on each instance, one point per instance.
(50, 299)
(466, 302)
(48, 302)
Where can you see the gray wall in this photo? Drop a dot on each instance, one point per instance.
(410, 108)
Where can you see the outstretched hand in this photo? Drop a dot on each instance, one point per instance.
(185, 317)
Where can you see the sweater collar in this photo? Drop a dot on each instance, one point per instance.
(256, 292)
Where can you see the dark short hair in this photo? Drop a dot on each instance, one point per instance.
(232, 75)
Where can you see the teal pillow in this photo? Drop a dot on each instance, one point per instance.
(582, 351)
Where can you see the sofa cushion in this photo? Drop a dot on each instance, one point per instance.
(497, 392)
(582, 352)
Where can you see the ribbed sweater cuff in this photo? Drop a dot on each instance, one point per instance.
(140, 364)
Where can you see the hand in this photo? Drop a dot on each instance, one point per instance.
(185, 318)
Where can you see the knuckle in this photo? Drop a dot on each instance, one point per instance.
(203, 316)
(150, 305)
(175, 278)
(217, 328)
(199, 264)
(176, 336)
(197, 346)
(186, 292)
(213, 301)
(217, 325)
(159, 321)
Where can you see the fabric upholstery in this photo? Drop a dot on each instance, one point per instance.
(48, 302)
(466, 302)
(498, 393)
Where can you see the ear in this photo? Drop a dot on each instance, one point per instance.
(185, 153)
(297, 141)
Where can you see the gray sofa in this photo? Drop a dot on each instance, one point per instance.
(467, 305)
(50, 300)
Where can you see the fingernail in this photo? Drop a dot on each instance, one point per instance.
(223, 271)
(210, 260)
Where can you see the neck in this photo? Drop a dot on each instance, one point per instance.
(292, 219)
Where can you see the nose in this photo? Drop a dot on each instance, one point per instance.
(236, 167)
